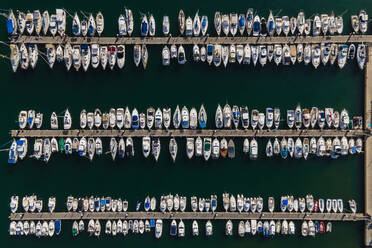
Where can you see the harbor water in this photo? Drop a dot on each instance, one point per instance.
(192, 84)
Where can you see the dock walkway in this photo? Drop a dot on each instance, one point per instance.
(189, 216)
(36, 133)
(192, 40)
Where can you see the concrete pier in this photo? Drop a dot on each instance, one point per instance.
(35, 133)
(189, 216)
(192, 40)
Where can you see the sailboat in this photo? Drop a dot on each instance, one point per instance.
(217, 22)
(156, 148)
(173, 148)
(152, 26)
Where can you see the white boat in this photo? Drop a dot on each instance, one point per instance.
(129, 21)
(229, 228)
(100, 23)
(227, 116)
(215, 149)
(207, 148)
(198, 147)
(177, 118)
(24, 57)
(165, 56)
(76, 25)
(220, 54)
(112, 51)
(120, 56)
(152, 26)
(315, 54)
(166, 117)
(146, 146)
(196, 53)
(76, 58)
(361, 56)
(317, 25)
(61, 21)
(253, 149)
(225, 24)
(325, 23)
(91, 27)
(165, 26)
(293, 25)
(122, 26)
(363, 21)
(137, 54)
(173, 148)
(217, 22)
(342, 55)
(204, 25)
(67, 120)
(53, 121)
(104, 56)
(158, 228)
(156, 148)
(181, 57)
(233, 23)
(203, 54)
(185, 117)
(239, 53)
(188, 27)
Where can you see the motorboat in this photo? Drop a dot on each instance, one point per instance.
(233, 23)
(271, 24)
(100, 24)
(173, 148)
(165, 56)
(256, 26)
(249, 21)
(217, 22)
(241, 24)
(185, 118)
(155, 148)
(181, 57)
(204, 25)
(112, 51)
(122, 26)
(361, 56)
(225, 24)
(67, 121)
(196, 24)
(227, 116)
(363, 21)
(253, 149)
(165, 25)
(315, 55)
(144, 26)
(129, 21)
(120, 56)
(92, 28)
(104, 56)
(207, 148)
(188, 27)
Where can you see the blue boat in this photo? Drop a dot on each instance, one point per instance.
(103, 202)
(96, 204)
(241, 23)
(152, 223)
(144, 26)
(12, 159)
(10, 26)
(316, 224)
(173, 228)
(57, 226)
(135, 119)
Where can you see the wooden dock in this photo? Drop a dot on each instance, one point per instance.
(192, 40)
(189, 216)
(36, 133)
(368, 148)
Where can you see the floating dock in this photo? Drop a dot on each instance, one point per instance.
(368, 148)
(36, 133)
(192, 40)
(189, 216)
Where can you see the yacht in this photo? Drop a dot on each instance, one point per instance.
(150, 117)
(120, 56)
(156, 148)
(181, 57)
(188, 27)
(227, 116)
(177, 118)
(146, 148)
(144, 26)
(196, 24)
(217, 22)
(225, 24)
(342, 55)
(112, 51)
(145, 56)
(193, 118)
(253, 149)
(198, 147)
(185, 117)
(207, 148)
(99, 23)
(165, 56)
(158, 228)
(233, 23)
(158, 120)
(173, 148)
(67, 120)
(361, 55)
(137, 54)
(363, 21)
(122, 26)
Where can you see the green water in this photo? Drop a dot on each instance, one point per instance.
(193, 84)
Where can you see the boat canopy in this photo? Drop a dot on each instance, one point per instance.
(9, 25)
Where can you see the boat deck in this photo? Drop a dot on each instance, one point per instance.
(192, 40)
(35, 133)
(189, 216)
